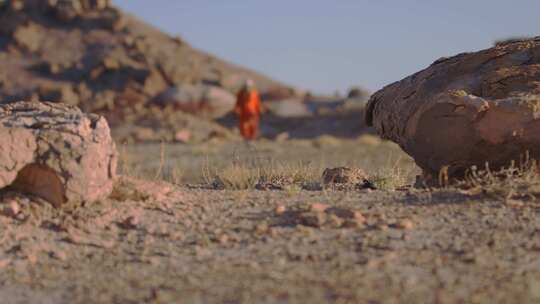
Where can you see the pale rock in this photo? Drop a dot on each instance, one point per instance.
(56, 152)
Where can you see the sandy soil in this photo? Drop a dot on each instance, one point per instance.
(154, 242)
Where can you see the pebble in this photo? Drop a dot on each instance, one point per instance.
(131, 222)
(280, 209)
(12, 208)
(515, 203)
(223, 239)
(59, 254)
(313, 219)
(318, 207)
(4, 263)
(405, 224)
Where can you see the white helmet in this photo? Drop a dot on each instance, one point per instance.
(249, 84)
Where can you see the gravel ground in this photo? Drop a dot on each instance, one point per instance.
(154, 242)
(166, 244)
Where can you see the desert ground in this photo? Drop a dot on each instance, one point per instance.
(193, 214)
(170, 234)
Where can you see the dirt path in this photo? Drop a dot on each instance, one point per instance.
(159, 243)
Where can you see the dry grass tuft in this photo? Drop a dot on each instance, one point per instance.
(165, 169)
(517, 182)
(392, 176)
(266, 166)
(124, 189)
(126, 166)
(248, 174)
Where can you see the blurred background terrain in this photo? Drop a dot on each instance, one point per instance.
(151, 86)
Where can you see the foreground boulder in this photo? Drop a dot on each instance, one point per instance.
(465, 110)
(56, 152)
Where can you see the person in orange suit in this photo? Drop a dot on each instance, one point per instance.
(248, 109)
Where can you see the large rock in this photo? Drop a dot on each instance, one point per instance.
(289, 108)
(56, 152)
(201, 99)
(465, 110)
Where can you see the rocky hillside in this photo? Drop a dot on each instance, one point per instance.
(91, 54)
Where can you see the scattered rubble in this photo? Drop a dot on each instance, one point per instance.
(319, 215)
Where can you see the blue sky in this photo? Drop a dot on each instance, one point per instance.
(328, 45)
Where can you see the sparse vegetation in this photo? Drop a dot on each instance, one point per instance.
(248, 173)
(517, 182)
(391, 178)
(295, 164)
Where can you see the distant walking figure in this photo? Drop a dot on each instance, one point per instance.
(248, 109)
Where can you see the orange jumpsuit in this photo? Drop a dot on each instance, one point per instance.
(248, 109)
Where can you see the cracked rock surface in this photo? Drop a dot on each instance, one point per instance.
(465, 110)
(56, 152)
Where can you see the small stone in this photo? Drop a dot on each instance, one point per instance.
(144, 134)
(335, 221)
(346, 213)
(182, 136)
(223, 239)
(4, 263)
(111, 64)
(29, 37)
(32, 258)
(313, 219)
(514, 203)
(262, 228)
(12, 208)
(280, 209)
(405, 224)
(59, 254)
(282, 137)
(54, 68)
(382, 227)
(352, 224)
(130, 222)
(318, 207)
(359, 217)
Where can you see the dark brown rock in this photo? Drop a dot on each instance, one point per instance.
(470, 109)
(59, 92)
